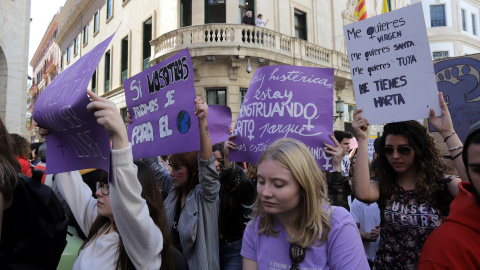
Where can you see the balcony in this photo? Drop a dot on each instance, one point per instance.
(50, 66)
(242, 40)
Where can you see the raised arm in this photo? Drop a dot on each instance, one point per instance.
(201, 110)
(363, 189)
(443, 124)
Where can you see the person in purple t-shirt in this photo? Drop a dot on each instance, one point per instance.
(293, 225)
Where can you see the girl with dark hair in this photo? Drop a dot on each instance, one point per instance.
(21, 149)
(192, 203)
(412, 192)
(125, 226)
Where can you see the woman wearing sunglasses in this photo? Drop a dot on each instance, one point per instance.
(412, 192)
(125, 226)
(293, 224)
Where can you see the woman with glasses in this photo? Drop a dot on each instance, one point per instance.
(125, 226)
(192, 203)
(293, 225)
(412, 192)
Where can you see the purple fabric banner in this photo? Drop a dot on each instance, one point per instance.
(75, 140)
(286, 101)
(160, 100)
(219, 120)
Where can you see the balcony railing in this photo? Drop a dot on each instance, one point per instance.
(243, 36)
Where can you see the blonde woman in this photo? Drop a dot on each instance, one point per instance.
(293, 224)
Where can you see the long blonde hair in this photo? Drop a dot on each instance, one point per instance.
(313, 220)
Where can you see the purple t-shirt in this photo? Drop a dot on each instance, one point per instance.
(342, 250)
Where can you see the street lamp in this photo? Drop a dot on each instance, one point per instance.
(338, 108)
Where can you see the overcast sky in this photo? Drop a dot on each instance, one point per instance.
(41, 14)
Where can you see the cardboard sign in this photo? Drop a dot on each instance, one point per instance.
(286, 101)
(371, 148)
(219, 119)
(160, 100)
(391, 66)
(459, 80)
(75, 140)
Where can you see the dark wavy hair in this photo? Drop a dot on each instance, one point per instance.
(9, 166)
(151, 194)
(21, 147)
(429, 167)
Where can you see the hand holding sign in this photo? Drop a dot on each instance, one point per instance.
(108, 116)
(443, 124)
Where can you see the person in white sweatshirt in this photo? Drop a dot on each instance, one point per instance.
(126, 224)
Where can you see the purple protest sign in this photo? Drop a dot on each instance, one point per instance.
(219, 119)
(286, 101)
(160, 100)
(75, 140)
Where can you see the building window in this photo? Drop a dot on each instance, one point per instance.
(95, 22)
(185, 13)
(68, 55)
(464, 20)
(243, 92)
(474, 24)
(216, 96)
(107, 71)
(61, 61)
(147, 36)
(300, 24)
(85, 34)
(75, 48)
(215, 11)
(109, 8)
(349, 109)
(94, 81)
(124, 67)
(440, 55)
(437, 15)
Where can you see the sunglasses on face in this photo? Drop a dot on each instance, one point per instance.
(297, 255)
(402, 150)
(103, 186)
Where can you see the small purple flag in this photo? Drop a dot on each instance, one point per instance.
(75, 140)
(219, 120)
(161, 100)
(286, 101)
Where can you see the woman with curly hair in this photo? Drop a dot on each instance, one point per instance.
(21, 149)
(293, 223)
(412, 192)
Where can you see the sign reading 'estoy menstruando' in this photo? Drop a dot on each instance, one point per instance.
(391, 66)
(75, 140)
(286, 102)
(160, 100)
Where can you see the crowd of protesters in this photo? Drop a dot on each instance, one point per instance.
(199, 210)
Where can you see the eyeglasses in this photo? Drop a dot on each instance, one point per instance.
(297, 255)
(103, 186)
(402, 150)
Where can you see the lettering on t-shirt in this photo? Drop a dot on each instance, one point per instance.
(286, 266)
(419, 216)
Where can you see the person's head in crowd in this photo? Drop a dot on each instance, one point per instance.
(42, 152)
(352, 165)
(34, 150)
(376, 147)
(153, 198)
(218, 151)
(184, 172)
(249, 13)
(260, 16)
(343, 137)
(9, 166)
(21, 147)
(407, 148)
(471, 158)
(251, 171)
(450, 168)
(290, 185)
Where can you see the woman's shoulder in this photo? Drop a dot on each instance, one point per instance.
(339, 216)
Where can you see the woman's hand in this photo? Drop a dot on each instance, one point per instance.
(360, 125)
(336, 151)
(443, 124)
(108, 116)
(201, 108)
(229, 145)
